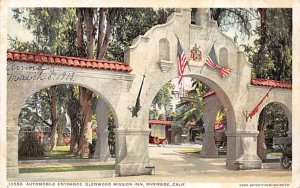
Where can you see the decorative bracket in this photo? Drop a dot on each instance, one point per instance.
(165, 65)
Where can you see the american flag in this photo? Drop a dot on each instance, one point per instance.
(182, 63)
(212, 62)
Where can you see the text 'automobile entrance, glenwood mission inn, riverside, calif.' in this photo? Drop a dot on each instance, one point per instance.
(118, 85)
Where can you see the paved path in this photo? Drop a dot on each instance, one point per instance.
(171, 166)
(177, 166)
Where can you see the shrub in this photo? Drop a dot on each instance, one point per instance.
(92, 146)
(30, 147)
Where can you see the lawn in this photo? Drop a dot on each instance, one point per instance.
(66, 169)
(60, 152)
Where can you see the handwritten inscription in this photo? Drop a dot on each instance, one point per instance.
(39, 73)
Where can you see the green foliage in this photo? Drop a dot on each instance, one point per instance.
(36, 110)
(132, 23)
(92, 146)
(53, 30)
(221, 116)
(271, 54)
(164, 96)
(66, 169)
(153, 114)
(238, 18)
(276, 122)
(29, 146)
(192, 110)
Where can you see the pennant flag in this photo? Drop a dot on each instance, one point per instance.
(212, 62)
(255, 110)
(137, 106)
(182, 63)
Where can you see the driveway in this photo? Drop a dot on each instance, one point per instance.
(172, 166)
(169, 162)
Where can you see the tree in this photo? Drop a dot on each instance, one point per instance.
(88, 33)
(101, 31)
(53, 105)
(164, 96)
(193, 108)
(131, 23)
(240, 18)
(271, 54)
(73, 110)
(271, 57)
(50, 27)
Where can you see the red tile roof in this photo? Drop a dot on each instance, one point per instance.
(261, 82)
(42, 58)
(271, 83)
(160, 122)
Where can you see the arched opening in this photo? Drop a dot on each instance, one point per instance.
(274, 129)
(181, 123)
(52, 127)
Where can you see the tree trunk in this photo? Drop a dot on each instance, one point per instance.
(85, 16)
(60, 135)
(263, 37)
(74, 115)
(88, 17)
(86, 112)
(105, 34)
(261, 146)
(53, 117)
(79, 31)
(74, 137)
(62, 121)
(85, 95)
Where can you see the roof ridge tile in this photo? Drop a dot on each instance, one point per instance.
(43, 58)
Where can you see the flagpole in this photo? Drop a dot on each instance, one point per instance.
(189, 49)
(255, 109)
(187, 63)
(137, 107)
(207, 56)
(182, 86)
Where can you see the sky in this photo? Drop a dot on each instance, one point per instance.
(16, 29)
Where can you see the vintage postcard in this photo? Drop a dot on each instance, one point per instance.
(149, 94)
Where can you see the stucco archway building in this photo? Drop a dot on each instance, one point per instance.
(118, 86)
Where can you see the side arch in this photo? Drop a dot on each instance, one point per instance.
(19, 101)
(16, 99)
(287, 111)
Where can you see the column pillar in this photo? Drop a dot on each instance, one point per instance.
(12, 151)
(244, 155)
(209, 149)
(212, 107)
(102, 114)
(132, 153)
(289, 132)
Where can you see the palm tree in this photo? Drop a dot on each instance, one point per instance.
(192, 107)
